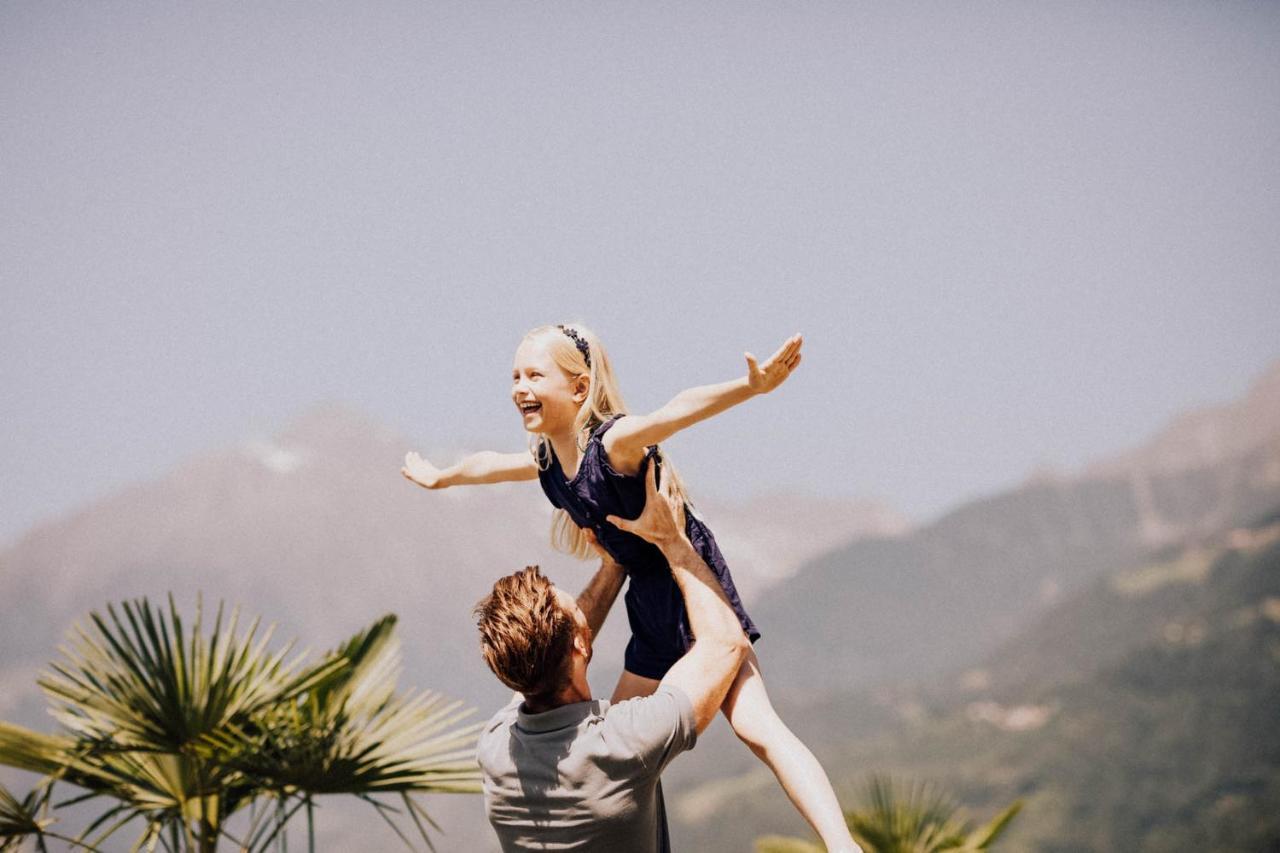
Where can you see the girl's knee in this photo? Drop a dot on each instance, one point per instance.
(759, 729)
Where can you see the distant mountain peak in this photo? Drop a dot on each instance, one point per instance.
(330, 422)
(1204, 436)
(274, 457)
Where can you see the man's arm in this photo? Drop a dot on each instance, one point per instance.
(707, 670)
(602, 590)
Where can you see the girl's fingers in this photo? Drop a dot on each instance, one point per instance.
(784, 354)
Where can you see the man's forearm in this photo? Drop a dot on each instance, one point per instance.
(600, 593)
(711, 616)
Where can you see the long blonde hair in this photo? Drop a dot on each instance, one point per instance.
(604, 400)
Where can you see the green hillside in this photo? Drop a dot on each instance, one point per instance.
(949, 593)
(1139, 715)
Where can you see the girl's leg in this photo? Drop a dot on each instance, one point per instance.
(750, 713)
(631, 685)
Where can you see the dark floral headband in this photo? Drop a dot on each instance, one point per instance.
(579, 343)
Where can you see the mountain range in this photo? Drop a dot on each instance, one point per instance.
(315, 530)
(1137, 714)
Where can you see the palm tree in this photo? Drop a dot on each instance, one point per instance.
(181, 731)
(916, 819)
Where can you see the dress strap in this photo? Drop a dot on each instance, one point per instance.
(604, 427)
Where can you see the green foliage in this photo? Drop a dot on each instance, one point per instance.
(919, 819)
(1161, 734)
(19, 818)
(783, 844)
(897, 819)
(181, 731)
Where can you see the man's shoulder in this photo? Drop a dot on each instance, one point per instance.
(497, 727)
(668, 700)
(653, 728)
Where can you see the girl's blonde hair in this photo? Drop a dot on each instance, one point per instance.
(603, 401)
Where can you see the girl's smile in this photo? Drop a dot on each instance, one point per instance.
(543, 392)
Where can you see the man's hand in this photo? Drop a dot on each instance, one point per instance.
(662, 520)
(764, 378)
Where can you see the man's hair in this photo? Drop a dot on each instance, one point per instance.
(525, 635)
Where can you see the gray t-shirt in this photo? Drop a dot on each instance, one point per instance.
(584, 776)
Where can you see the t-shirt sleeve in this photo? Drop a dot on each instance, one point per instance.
(654, 729)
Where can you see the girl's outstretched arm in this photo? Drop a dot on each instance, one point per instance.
(625, 442)
(478, 468)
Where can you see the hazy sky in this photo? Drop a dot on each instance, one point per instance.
(1012, 233)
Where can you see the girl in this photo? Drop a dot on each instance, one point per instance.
(590, 460)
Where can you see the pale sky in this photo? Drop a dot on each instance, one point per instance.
(1012, 233)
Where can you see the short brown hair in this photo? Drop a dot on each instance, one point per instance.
(525, 635)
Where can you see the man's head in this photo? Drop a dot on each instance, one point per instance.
(530, 632)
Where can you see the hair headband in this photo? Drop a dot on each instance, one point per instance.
(579, 343)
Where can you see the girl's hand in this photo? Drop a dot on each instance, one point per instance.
(763, 378)
(420, 471)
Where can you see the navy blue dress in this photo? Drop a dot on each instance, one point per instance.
(660, 632)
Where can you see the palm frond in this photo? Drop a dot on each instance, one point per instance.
(918, 819)
(355, 735)
(20, 818)
(179, 727)
(783, 844)
(137, 679)
(26, 749)
(984, 837)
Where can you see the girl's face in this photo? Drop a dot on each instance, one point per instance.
(548, 398)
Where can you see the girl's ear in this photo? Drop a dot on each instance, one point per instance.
(581, 387)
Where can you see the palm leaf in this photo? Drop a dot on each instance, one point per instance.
(19, 818)
(984, 837)
(918, 819)
(180, 728)
(782, 844)
(352, 734)
(134, 680)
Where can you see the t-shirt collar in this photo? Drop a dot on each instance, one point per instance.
(559, 718)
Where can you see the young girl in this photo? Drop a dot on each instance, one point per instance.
(591, 460)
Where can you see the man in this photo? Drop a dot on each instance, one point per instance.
(563, 771)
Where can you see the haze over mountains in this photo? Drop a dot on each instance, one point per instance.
(315, 530)
(1133, 597)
